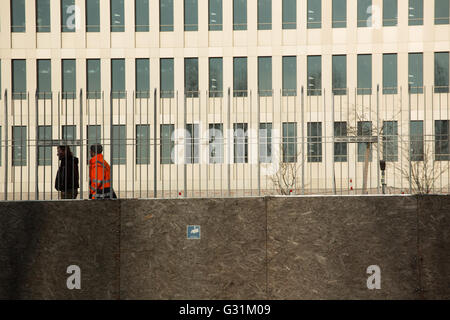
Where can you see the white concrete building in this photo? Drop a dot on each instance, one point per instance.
(261, 73)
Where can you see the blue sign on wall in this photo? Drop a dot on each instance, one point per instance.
(193, 232)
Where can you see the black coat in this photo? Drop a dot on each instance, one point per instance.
(67, 177)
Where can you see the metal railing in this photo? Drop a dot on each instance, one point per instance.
(222, 145)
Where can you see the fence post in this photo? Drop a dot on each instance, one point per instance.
(229, 143)
(155, 151)
(378, 139)
(409, 139)
(81, 144)
(6, 145)
(36, 191)
(184, 156)
(257, 143)
(332, 147)
(303, 144)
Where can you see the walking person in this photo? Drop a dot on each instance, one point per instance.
(67, 177)
(99, 175)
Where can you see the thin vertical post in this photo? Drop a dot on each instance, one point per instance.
(36, 191)
(303, 144)
(229, 142)
(111, 140)
(332, 147)
(184, 158)
(81, 144)
(6, 145)
(257, 143)
(155, 151)
(378, 139)
(409, 139)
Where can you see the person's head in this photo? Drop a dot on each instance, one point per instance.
(63, 151)
(96, 149)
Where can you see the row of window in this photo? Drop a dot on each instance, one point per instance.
(289, 145)
(240, 76)
(366, 14)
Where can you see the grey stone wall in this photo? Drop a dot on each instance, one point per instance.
(252, 248)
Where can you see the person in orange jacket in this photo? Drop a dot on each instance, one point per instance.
(99, 175)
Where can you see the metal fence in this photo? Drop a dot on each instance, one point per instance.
(221, 144)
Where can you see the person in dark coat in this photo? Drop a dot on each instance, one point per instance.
(67, 178)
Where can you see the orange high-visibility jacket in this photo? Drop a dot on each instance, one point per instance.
(99, 175)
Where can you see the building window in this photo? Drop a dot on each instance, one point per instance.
(290, 76)
(390, 73)
(415, 16)
(43, 16)
(390, 9)
(340, 148)
(19, 79)
(314, 75)
(118, 78)
(239, 14)
(19, 146)
(240, 131)
(364, 74)
(44, 152)
(339, 14)
(265, 142)
(167, 144)
(289, 14)
(364, 130)
(92, 15)
(192, 146)
(216, 143)
(264, 14)
(416, 140)
(441, 12)
(119, 144)
(94, 136)
(68, 16)
(240, 77)
(442, 140)
(190, 15)
(17, 15)
(142, 78)
(441, 68)
(265, 76)
(141, 16)
(289, 142)
(339, 66)
(44, 79)
(117, 16)
(314, 139)
(314, 14)
(390, 141)
(215, 15)
(191, 77)
(166, 15)
(93, 79)
(142, 144)
(69, 135)
(215, 77)
(166, 78)
(69, 78)
(415, 72)
(364, 13)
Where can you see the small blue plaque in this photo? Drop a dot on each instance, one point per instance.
(193, 232)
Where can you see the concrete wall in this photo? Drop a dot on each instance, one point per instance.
(252, 248)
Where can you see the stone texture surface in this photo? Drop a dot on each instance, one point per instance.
(320, 247)
(159, 262)
(434, 246)
(39, 240)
